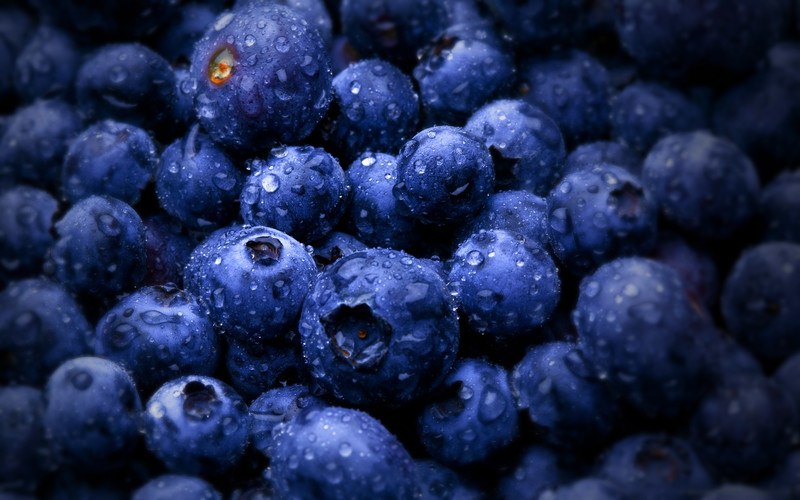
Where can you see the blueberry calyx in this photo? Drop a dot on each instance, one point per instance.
(221, 66)
(626, 200)
(265, 250)
(199, 400)
(452, 402)
(323, 260)
(358, 336)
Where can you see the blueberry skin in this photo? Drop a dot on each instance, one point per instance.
(374, 108)
(733, 491)
(761, 302)
(100, 249)
(638, 327)
(41, 326)
(237, 270)
(393, 31)
(506, 285)
(300, 190)
(93, 412)
(526, 144)
(168, 250)
(25, 453)
(644, 112)
(375, 215)
(313, 11)
(127, 82)
(536, 471)
(47, 66)
(26, 219)
(339, 453)
(196, 425)
(697, 268)
(437, 482)
(515, 211)
(540, 22)
(573, 89)
(253, 100)
(158, 333)
(598, 214)
(335, 246)
(275, 407)
(563, 397)
(109, 158)
(197, 183)
(34, 142)
(444, 175)
(654, 467)
(461, 70)
(730, 360)
(614, 153)
(378, 328)
(253, 369)
(744, 428)
(588, 488)
(778, 203)
(472, 417)
(176, 487)
(175, 41)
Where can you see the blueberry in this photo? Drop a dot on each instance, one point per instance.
(595, 215)
(100, 250)
(41, 326)
(437, 482)
(176, 39)
(378, 328)
(516, 211)
(47, 66)
(253, 279)
(471, 417)
(255, 368)
(335, 246)
(778, 203)
(374, 108)
(168, 250)
(136, 18)
(744, 427)
(275, 407)
(704, 184)
(25, 230)
(539, 22)
(301, 190)
(760, 302)
(109, 158)
(158, 333)
(176, 487)
(444, 174)
(506, 285)
(536, 471)
(339, 453)
(92, 413)
(196, 425)
(197, 183)
(614, 153)
(697, 268)
(640, 330)
(563, 397)
(313, 11)
(246, 100)
(526, 144)
(731, 360)
(25, 453)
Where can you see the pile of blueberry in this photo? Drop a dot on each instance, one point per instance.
(413, 249)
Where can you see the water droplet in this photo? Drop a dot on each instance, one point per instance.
(157, 318)
(648, 312)
(282, 44)
(118, 74)
(249, 40)
(223, 20)
(475, 258)
(355, 87)
(81, 379)
(223, 181)
(345, 450)
(109, 225)
(271, 183)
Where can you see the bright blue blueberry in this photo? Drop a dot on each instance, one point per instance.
(176, 487)
(25, 453)
(34, 142)
(393, 31)
(518, 212)
(378, 328)
(640, 330)
(25, 230)
(471, 417)
(254, 369)
(539, 22)
(41, 326)
(47, 66)
(158, 333)
(197, 183)
(444, 175)
(277, 406)
(787, 376)
(744, 428)
(375, 215)
(168, 250)
(313, 11)
(573, 89)
(127, 82)
(339, 453)
(536, 471)
(374, 108)
(100, 250)
(335, 246)
(704, 184)
(595, 215)
(563, 397)
(196, 425)
(130, 19)
(644, 112)
(779, 206)
(247, 100)
(589, 488)
(506, 285)
(175, 41)
(526, 144)
(761, 300)
(109, 158)
(437, 482)
(695, 264)
(593, 153)
(300, 190)
(462, 69)
(93, 413)
(733, 491)
(254, 280)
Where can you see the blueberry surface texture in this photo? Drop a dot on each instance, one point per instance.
(25, 230)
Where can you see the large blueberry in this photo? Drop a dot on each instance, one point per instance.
(25, 230)
(277, 406)
(47, 66)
